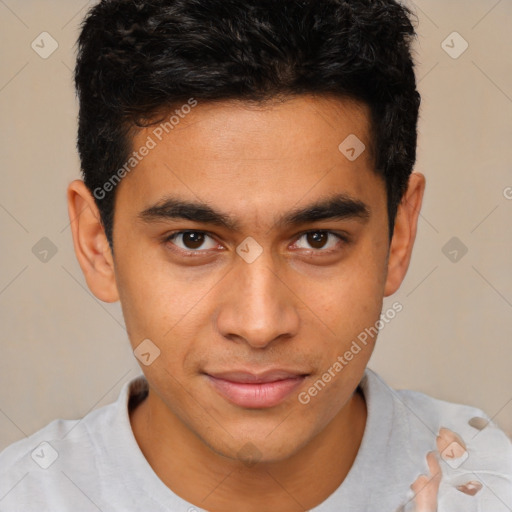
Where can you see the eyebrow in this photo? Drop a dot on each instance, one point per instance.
(337, 207)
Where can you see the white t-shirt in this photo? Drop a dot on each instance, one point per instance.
(95, 464)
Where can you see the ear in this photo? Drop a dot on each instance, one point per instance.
(404, 233)
(90, 242)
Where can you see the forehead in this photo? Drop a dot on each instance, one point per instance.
(237, 154)
(243, 130)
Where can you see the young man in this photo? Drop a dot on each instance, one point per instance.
(249, 198)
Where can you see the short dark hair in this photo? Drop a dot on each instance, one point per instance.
(139, 58)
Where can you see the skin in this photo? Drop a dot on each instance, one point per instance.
(299, 305)
(426, 487)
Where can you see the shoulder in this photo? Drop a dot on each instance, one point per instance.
(33, 470)
(427, 414)
(482, 436)
(474, 454)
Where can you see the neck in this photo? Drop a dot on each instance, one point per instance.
(196, 473)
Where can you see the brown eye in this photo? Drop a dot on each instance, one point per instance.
(317, 239)
(321, 241)
(191, 241)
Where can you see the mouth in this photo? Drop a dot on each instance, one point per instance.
(256, 391)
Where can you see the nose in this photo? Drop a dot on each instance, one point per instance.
(257, 306)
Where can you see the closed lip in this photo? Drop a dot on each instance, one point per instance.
(245, 377)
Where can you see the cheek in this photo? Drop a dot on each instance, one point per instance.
(352, 299)
(158, 300)
(350, 304)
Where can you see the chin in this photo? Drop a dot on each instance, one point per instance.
(263, 447)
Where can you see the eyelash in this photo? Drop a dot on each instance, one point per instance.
(168, 238)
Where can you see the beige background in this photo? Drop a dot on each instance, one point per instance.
(64, 353)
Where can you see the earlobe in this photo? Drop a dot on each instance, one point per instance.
(404, 233)
(90, 243)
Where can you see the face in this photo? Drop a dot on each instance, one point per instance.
(248, 247)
